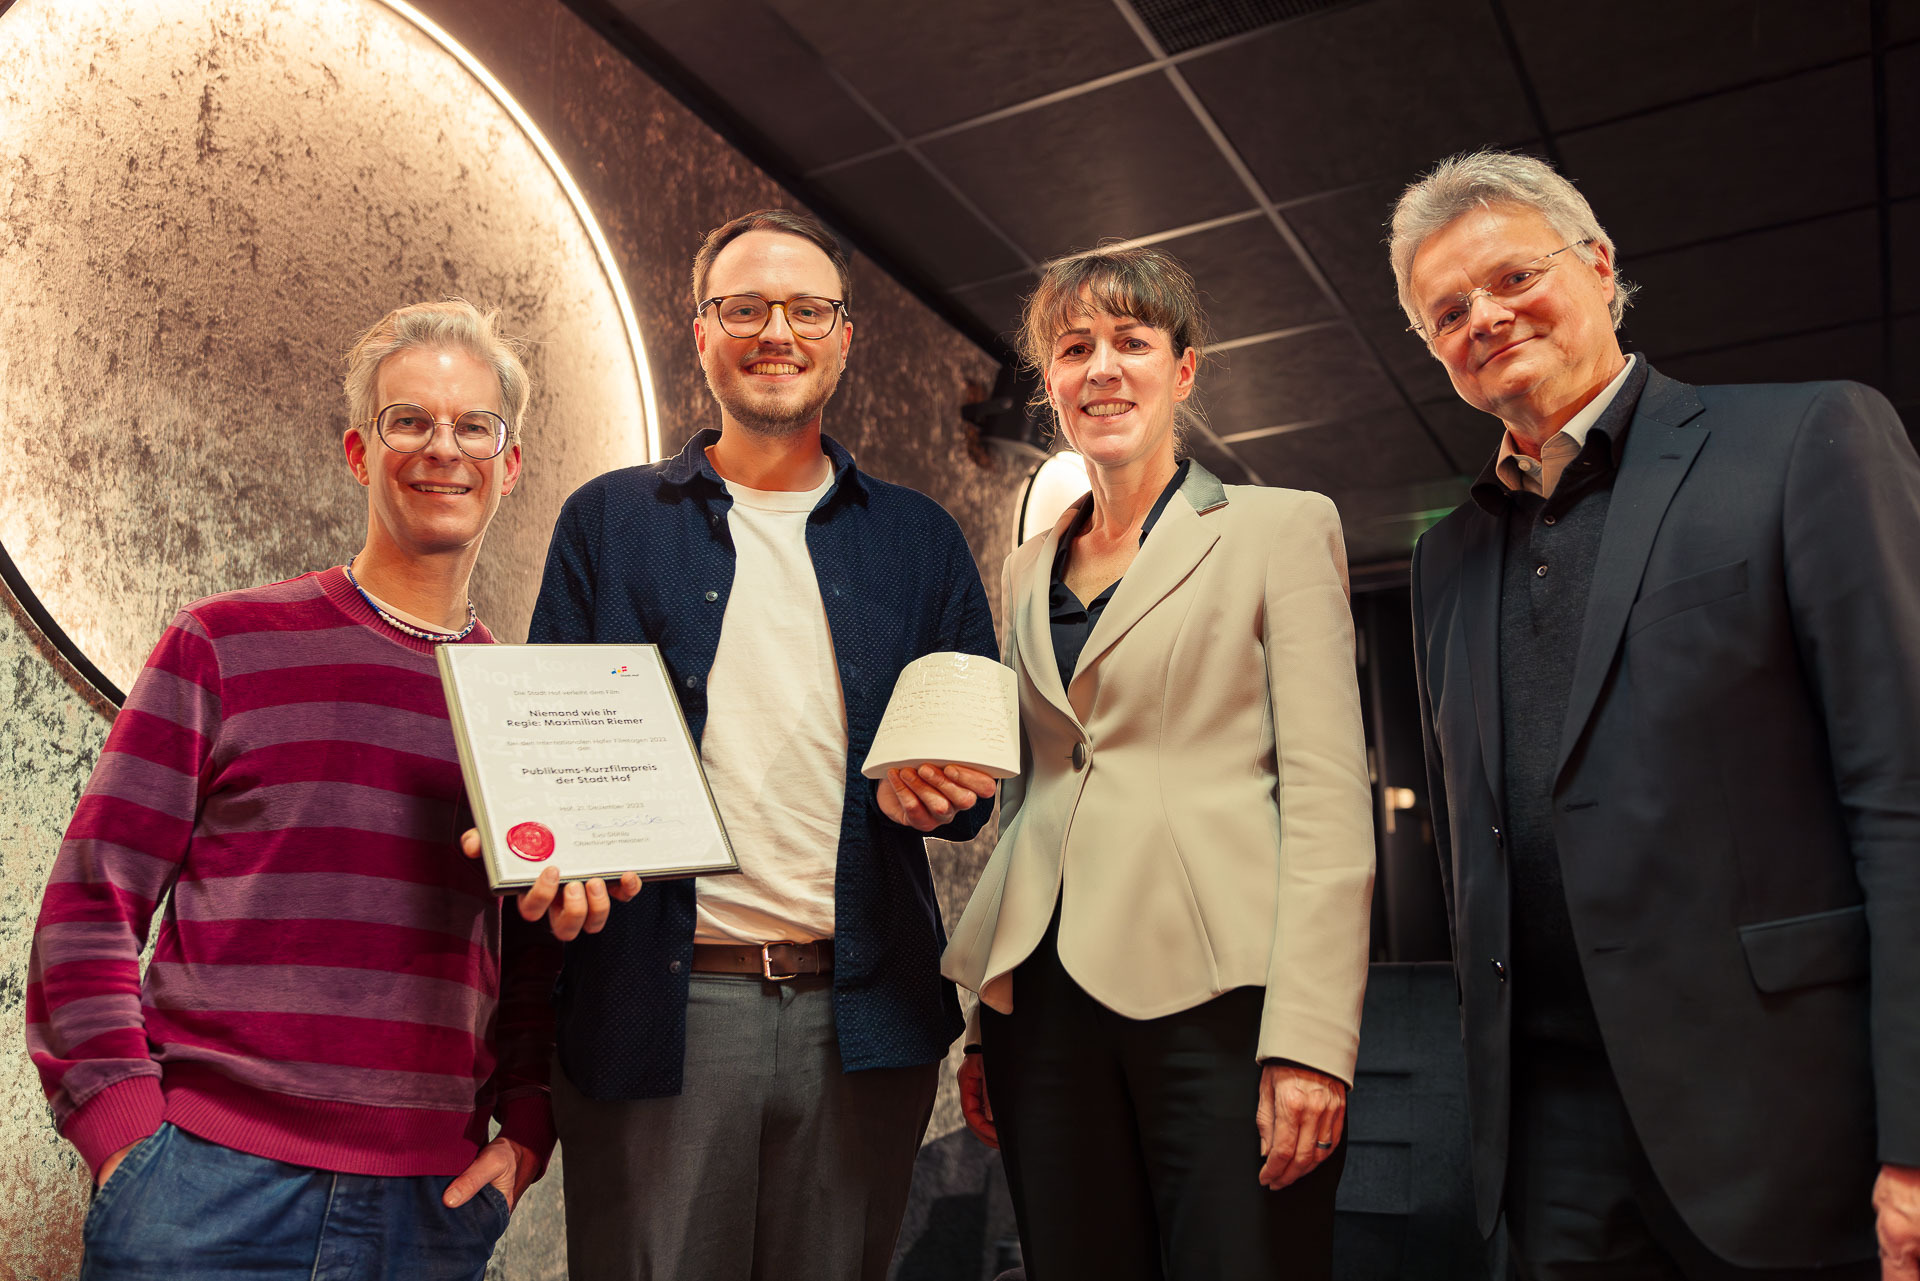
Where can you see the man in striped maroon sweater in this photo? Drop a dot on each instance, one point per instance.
(321, 1040)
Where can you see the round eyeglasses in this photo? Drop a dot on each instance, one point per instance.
(745, 315)
(1447, 314)
(480, 434)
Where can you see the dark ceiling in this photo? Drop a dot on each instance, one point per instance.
(1757, 161)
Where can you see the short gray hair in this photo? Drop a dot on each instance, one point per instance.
(455, 325)
(1481, 180)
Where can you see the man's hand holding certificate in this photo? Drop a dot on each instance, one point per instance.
(951, 729)
(573, 908)
(579, 766)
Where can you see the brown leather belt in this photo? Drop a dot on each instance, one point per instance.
(771, 961)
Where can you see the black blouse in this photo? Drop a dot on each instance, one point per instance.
(1071, 622)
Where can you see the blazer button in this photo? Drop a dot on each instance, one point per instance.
(712, 597)
(1079, 756)
(673, 967)
(1499, 970)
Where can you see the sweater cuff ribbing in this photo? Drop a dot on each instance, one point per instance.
(122, 1114)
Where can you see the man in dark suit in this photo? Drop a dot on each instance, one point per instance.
(1669, 667)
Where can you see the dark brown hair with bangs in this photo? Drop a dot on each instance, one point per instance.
(1139, 283)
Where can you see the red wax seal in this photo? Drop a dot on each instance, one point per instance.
(531, 841)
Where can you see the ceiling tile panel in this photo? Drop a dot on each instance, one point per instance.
(1373, 91)
(1385, 448)
(997, 303)
(1434, 498)
(1250, 281)
(1655, 52)
(1347, 235)
(754, 64)
(1124, 161)
(1903, 20)
(1733, 162)
(1380, 543)
(1469, 435)
(925, 66)
(1851, 351)
(918, 221)
(1906, 255)
(1905, 386)
(1383, 524)
(1324, 374)
(1214, 459)
(1756, 286)
(1903, 120)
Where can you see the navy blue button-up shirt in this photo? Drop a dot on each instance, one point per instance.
(644, 555)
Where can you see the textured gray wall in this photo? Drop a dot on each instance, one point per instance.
(196, 214)
(207, 200)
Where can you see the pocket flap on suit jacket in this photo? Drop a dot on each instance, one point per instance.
(1687, 593)
(1800, 951)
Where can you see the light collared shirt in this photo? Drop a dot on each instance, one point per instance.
(1539, 475)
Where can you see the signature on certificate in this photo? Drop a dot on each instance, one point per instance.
(611, 825)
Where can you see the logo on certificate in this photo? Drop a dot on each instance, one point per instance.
(531, 841)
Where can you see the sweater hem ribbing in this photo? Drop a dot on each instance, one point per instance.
(322, 1134)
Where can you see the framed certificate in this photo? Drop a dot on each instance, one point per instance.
(578, 757)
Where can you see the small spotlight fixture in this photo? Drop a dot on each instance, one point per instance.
(1007, 414)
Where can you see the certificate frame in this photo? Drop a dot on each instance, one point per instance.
(517, 807)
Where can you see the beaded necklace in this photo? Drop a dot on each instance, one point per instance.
(445, 638)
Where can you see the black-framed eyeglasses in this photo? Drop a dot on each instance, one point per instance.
(480, 434)
(1447, 314)
(745, 315)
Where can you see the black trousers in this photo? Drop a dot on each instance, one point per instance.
(1583, 1202)
(1129, 1144)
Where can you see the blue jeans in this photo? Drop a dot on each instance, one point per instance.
(183, 1209)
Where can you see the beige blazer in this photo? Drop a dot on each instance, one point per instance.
(1216, 828)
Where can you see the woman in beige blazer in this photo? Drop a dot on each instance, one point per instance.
(1170, 940)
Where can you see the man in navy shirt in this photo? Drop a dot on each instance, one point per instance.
(747, 1063)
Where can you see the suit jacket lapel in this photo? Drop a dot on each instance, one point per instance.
(1659, 454)
(1033, 622)
(1482, 560)
(1178, 542)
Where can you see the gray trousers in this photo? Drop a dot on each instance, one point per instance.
(772, 1164)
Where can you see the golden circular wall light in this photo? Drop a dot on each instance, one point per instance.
(202, 202)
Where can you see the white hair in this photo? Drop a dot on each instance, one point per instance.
(1483, 180)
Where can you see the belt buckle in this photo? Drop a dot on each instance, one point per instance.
(766, 962)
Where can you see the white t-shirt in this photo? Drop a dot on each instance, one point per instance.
(775, 746)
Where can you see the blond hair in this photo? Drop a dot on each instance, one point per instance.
(455, 325)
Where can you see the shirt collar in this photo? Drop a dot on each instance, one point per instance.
(1516, 471)
(692, 463)
(1606, 431)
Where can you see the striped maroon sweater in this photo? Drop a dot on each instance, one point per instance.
(325, 988)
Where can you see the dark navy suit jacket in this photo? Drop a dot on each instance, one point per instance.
(644, 555)
(1736, 807)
